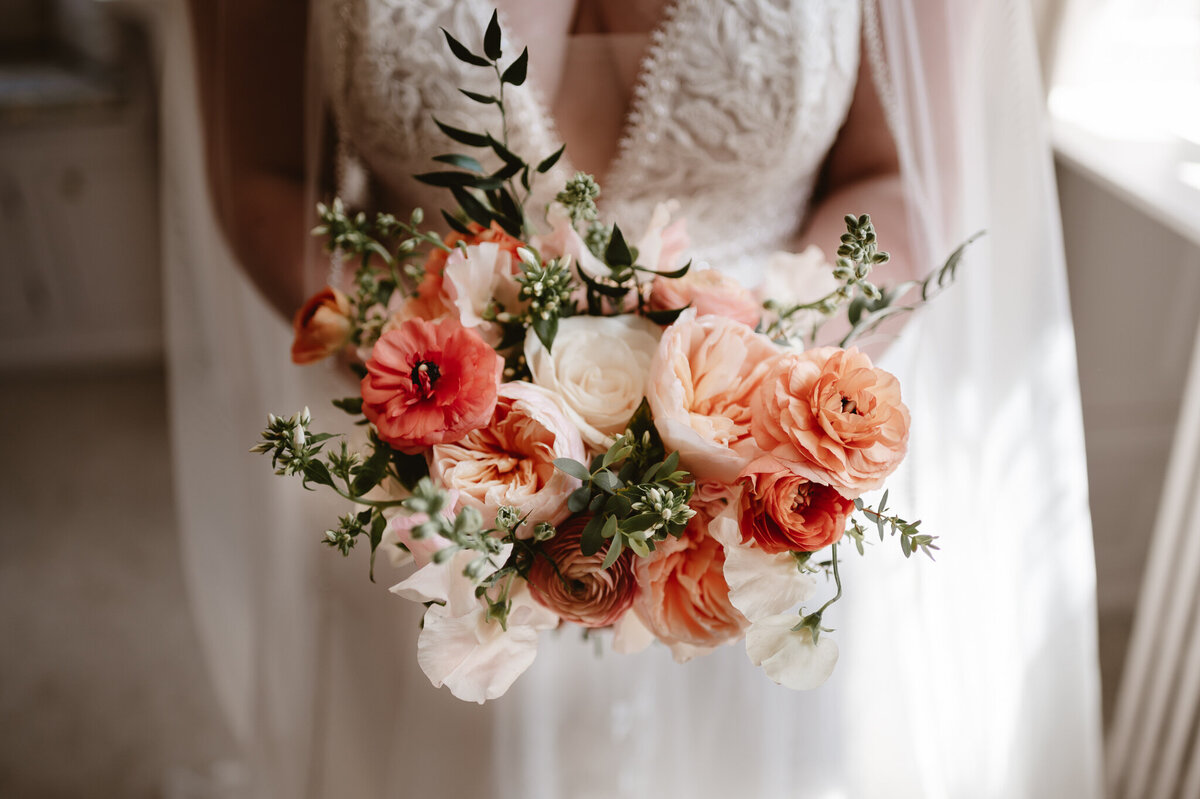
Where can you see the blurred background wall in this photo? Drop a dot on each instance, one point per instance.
(101, 683)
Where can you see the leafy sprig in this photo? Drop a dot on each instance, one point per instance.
(911, 539)
(634, 494)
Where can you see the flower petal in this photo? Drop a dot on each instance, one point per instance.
(789, 657)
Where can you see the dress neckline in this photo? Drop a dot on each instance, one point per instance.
(630, 132)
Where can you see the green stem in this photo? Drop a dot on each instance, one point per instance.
(837, 578)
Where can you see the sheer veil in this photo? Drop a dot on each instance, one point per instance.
(976, 677)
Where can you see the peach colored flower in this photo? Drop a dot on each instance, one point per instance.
(683, 597)
(574, 586)
(702, 379)
(322, 326)
(663, 242)
(831, 416)
(510, 460)
(710, 292)
(432, 299)
(429, 382)
(784, 512)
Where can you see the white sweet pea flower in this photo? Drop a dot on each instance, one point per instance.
(789, 657)
(446, 583)
(474, 278)
(795, 278)
(760, 584)
(598, 367)
(476, 659)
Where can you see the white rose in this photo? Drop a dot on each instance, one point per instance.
(599, 367)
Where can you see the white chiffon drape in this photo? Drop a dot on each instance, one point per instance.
(973, 677)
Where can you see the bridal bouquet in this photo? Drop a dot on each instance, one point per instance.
(564, 425)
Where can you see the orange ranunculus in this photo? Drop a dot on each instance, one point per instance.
(831, 416)
(429, 383)
(431, 300)
(710, 292)
(322, 326)
(574, 586)
(682, 594)
(784, 512)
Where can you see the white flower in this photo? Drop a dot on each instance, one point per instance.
(630, 635)
(599, 367)
(473, 279)
(789, 657)
(794, 278)
(476, 659)
(760, 584)
(660, 246)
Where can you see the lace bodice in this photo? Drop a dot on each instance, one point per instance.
(736, 106)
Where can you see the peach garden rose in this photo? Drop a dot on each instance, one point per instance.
(830, 415)
(322, 326)
(702, 380)
(510, 459)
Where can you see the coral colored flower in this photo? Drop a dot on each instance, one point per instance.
(433, 299)
(829, 415)
(322, 326)
(429, 383)
(784, 512)
(683, 597)
(710, 292)
(510, 459)
(574, 586)
(702, 379)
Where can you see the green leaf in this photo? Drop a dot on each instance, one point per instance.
(578, 499)
(409, 469)
(548, 163)
(485, 99)
(463, 54)
(592, 538)
(446, 180)
(639, 547)
(491, 38)
(666, 317)
(507, 171)
(351, 405)
(610, 527)
(616, 292)
(614, 551)
(460, 161)
(905, 546)
(546, 330)
(378, 525)
(317, 472)
(515, 74)
(572, 467)
(506, 155)
(617, 253)
(672, 275)
(371, 472)
(618, 505)
(464, 136)
(606, 481)
(470, 206)
(455, 224)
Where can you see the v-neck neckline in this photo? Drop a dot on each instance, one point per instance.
(630, 130)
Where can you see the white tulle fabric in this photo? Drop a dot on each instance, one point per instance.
(974, 677)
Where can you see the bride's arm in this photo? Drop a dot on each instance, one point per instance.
(251, 62)
(862, 175)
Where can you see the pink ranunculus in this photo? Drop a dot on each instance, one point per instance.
(710, 292)
(322, 326)
(429, 383)
(829, 415)
(574, 586)
(702, 379)
(683, 597)
(784, 512)
(510, 460)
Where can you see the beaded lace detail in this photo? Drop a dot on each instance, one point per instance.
(736, 106)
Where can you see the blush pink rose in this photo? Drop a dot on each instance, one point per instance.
(702, 379)
(510, 460)
(574, 586)
(682, 594)
(783, 512)
(429, 383)
(710, 292)
(829, 415)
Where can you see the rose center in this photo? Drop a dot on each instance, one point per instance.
(425, 375)
(801, 499)
(850, 406)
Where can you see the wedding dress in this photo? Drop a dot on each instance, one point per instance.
(974, 677)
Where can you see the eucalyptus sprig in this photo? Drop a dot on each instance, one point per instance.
(911, 539)
(635, 493)
(487, 197)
